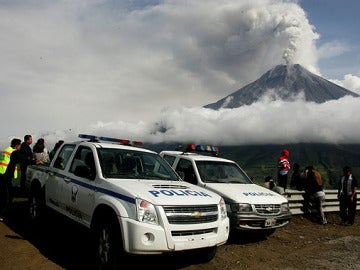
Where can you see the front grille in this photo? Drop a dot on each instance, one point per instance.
(193, 232)
(268, 209)
(191, 214)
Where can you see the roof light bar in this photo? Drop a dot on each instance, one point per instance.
(190, 147)
(202, 148)
(108, 139)
(89, 137)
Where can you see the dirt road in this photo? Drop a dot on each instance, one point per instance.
(301, 245)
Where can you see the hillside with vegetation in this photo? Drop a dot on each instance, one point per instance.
(260, 161)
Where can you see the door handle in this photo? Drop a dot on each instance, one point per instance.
(67, 180)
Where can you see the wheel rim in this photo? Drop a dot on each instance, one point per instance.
(104, 246)
(33, 208)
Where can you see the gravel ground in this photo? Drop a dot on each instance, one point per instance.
(301, 245)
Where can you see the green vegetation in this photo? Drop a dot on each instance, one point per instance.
(260, 161)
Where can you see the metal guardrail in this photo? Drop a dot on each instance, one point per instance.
(296, 201)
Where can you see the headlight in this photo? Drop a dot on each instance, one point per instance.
(146, 212)
(241, 207)
(222, 205)
(285, 207)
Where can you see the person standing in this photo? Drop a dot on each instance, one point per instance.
(270, 184)
(316, 194)
(347, 196)
(283, 168)
(56, 147)
(16, 158)
(40, 151)
(4, 163)
(28, 153)
(297, 178)
(5, 158)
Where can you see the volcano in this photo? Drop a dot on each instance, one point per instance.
(285, 82)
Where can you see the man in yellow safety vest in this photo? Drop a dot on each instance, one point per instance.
(10, 161)
(4, 163)
(5, 158)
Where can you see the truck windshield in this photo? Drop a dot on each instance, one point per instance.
(221, 172)
(127, 164)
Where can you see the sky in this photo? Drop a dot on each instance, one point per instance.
(128, 68)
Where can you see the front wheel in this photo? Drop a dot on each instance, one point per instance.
(109, 252)
(268, 232)
(203, 255)
(36, 205)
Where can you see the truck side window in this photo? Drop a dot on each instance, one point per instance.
(90, 163)
(63, 157)
(186, 167)
(83, 164)
(169, 159)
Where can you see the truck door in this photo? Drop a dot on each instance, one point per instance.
(79, 193)
(57, 176)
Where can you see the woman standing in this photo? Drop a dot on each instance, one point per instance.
(40, 151)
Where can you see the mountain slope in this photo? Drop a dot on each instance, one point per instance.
(286, 83)
(260, 161)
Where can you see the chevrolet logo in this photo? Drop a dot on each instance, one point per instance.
(196, 214)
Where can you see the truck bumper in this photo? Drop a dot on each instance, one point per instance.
(257, 222)
(154, 239)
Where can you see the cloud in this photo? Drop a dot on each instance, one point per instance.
(350, 82)
(144, 69)
(266, 122)
(263, 122)
(66, 64)
(332, 49)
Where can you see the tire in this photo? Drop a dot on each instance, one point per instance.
(108, 245)
(268, 232)
(203, 255)
(36, 205)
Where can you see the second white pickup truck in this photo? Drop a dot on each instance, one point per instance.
(249, 206)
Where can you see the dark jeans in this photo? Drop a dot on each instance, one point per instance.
(23, 177)
(6, 195)
(313, 207)
(282, 180)
(318, 202)
(347, 209)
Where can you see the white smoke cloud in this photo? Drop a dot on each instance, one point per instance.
(333, 48)
(120, 67)
(350, 82)
(266, 121)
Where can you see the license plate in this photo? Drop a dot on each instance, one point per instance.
(270, 222)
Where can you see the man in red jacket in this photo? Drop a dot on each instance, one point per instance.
(283, 168)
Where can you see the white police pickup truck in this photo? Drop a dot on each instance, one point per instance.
(249, 206)
(130, 198)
